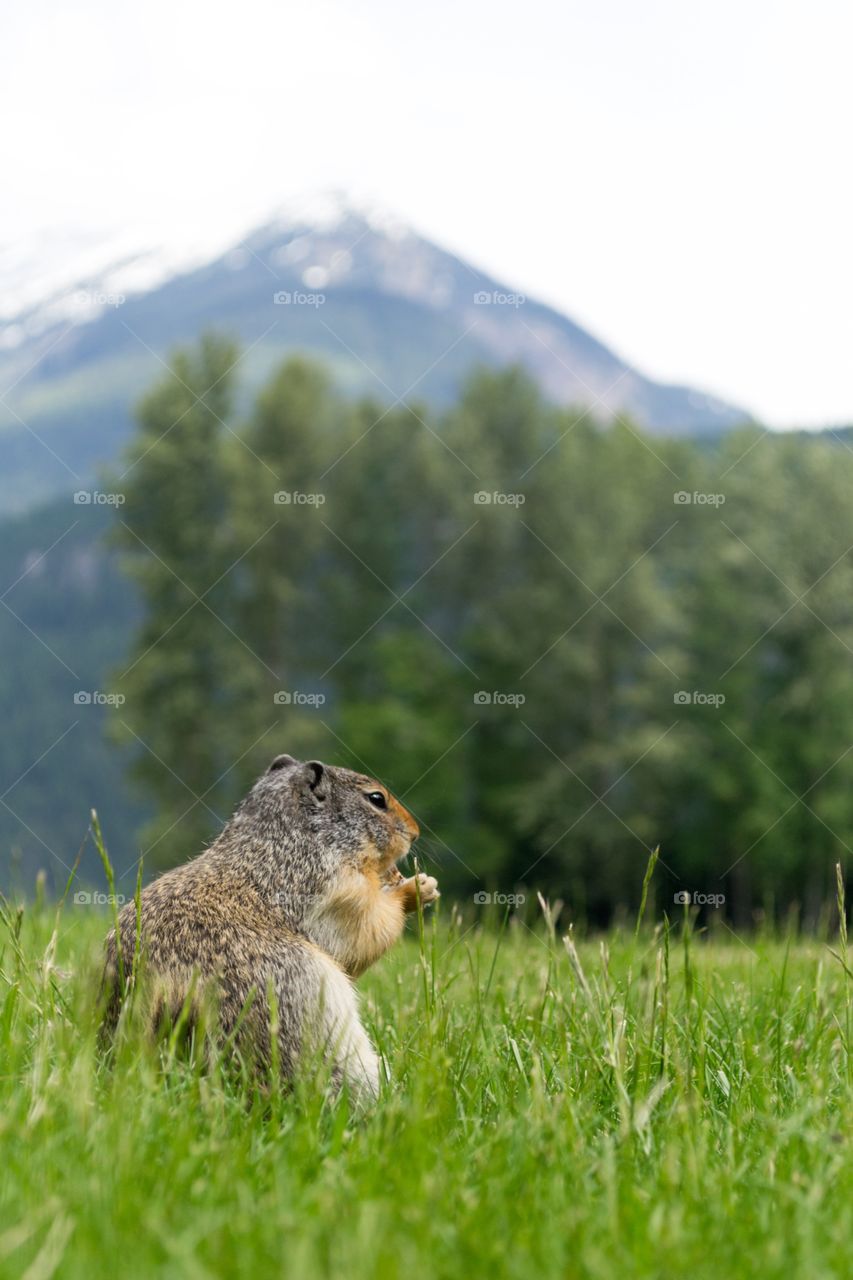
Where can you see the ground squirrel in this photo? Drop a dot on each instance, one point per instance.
(298, 895)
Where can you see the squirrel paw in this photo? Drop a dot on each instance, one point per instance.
(424, 886)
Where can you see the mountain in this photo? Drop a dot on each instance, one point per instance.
(392, 313)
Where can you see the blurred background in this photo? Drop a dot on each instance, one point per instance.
(462, 398)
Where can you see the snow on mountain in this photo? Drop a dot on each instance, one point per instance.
(86, 321)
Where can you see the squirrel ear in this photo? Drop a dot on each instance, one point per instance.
(313, 774)
(282, 762)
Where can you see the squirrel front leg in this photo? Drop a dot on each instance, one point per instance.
(420, 886)
(360, 919)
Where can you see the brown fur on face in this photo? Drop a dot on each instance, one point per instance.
(403, 830)
(365, 913)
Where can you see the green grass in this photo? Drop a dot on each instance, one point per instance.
(670, 1105)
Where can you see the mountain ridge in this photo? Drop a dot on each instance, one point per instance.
(388, 309)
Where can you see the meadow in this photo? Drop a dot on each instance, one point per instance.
(665, 1102)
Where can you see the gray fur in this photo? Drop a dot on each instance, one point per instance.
(297, 895)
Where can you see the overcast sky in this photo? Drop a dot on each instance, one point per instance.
(674, 175)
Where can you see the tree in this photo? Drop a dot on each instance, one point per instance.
(177, 534)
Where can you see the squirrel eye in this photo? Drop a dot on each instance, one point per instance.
(377, 798)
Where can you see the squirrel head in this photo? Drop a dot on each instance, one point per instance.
(319, 818)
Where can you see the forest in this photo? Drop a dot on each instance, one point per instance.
(561, 642)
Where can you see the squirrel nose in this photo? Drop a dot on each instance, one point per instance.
(405, 821)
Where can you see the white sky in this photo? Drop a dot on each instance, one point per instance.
(674, 175)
